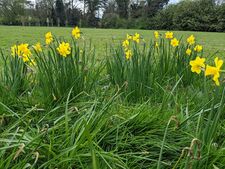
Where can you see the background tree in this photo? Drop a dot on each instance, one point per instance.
(13, 11)
(123, 8)
(45, 11)
(153, 6)
(60, 13)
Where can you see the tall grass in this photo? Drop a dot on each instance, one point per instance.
(151, 69)
(58, 75)
(156, 113)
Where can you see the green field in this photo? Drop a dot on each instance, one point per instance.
(137, 108)
(212, 42)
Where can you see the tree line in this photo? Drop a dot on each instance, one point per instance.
(196, 15)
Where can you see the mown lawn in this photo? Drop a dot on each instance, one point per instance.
(211, 41)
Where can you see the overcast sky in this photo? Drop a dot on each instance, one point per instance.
(174, 1)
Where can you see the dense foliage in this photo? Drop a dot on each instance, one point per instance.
(196, 15)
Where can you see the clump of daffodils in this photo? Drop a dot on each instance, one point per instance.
(198, 65)
(22, 51)
(136, 38)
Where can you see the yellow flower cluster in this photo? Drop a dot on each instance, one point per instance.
(191, 42)
(136, 37)
(64, 49)
(126, 43)
(198, 65)
(21, 51)
(174, 42)
(168, 35)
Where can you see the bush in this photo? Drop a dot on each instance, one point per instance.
(110, 20)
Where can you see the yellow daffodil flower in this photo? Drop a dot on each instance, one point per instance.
(24, 52)
(64, 49)
(37, 47)
(126, 44)
(198, 48)
(188, 52)
(156, 34)
(76, 33)
(169, 35)
(197, 65)
(128, 54)
(25, 58)
(129, 37)
(175, 42)
(191, 40)
(14, 50)
(48, 38)
(214, 71)
(136, 38)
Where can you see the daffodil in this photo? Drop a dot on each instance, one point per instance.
(37, 47)
(64, 49)
(188, 52)
(198, 48)
(129, 37)
(76, 33)
(24, 52)
(48, 38)
(14, 50)
(128, 54)
(175, 42)
(197, 65)
(136, 38)
(214, 71)
(191, 40)
(25, 58)
(156, 34)
(169, 35)
(126, 44)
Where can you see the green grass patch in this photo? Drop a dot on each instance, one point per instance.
(87, 106)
